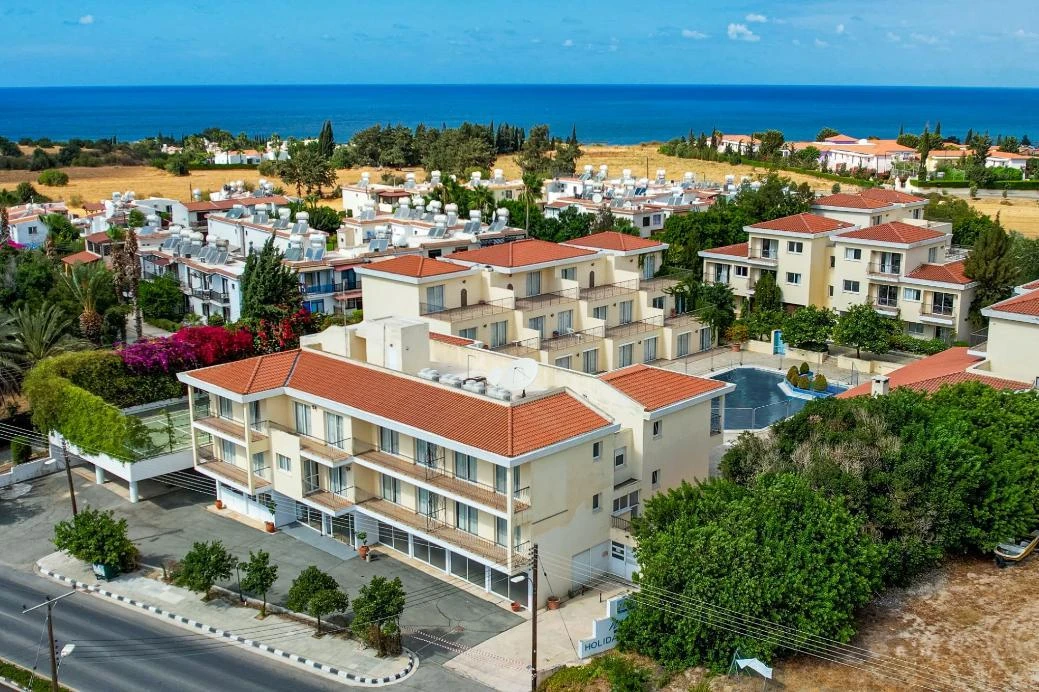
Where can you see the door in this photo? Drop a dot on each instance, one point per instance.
(434, 299)
(534, 283)
(464, 297)
(705, 339)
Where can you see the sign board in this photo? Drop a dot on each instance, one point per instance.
(604, 630)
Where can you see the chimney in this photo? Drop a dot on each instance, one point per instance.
(881, 385)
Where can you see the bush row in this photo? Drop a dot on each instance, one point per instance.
(964, 184)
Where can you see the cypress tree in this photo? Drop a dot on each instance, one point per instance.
(270, 290)
(989, 264)
(326, 141)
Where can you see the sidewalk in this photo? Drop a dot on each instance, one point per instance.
(502, 662)
(277, 636)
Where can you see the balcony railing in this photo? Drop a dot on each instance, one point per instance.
(210, 465)
(937, 311)
(636, 327)
(524, 349)
(572, 339)
(234, 428)
(329, 500)
(566, 295)
(319, 288)
(662, 283)
(333, 452)
(885, 304)
(763, 255)
(682, 319)
(619, 288)
(884, 269)
(620, 523)
(457, 314)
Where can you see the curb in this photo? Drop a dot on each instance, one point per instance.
(243, 641)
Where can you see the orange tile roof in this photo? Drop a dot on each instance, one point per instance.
(99, 238)
(885, 195)
(656, 388)
(416, 266)
(850, 201)
(803, 223)
(612, 240)
(494, 426)
(737, 250)
(520, 253)
(450, 339)
(951, 273)
(81, 257)
(931, 373)
(1024, 304)
(1030, 285)
(894, 232)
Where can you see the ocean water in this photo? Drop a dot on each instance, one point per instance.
(616, 114)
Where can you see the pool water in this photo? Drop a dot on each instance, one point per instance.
(758, 402)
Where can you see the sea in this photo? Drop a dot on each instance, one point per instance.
(609, 114)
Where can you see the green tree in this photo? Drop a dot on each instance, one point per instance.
(307, 169)
(534, 156)
(768, 296)
(97, 537)
(967, 222)
(990, 264)
(28, 335)
(270, 289)
(770, 143)
(377, 611)
(205, 564)
(1010, 145)
(809, 327)
(322, 218)
(316, 593)
(775, 550)
(565, 161)
(53, 178)
(161, 298)
(864, 328)
(87, 283)
(61, 229)
(326, 141)
(260, 576)
(1024, 254)
(826, 133)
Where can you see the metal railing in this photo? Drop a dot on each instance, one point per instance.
(937, 311)
(334, 451)
(620, 523)
(571, 339)
(566, 295)
(884, 269)
(219, 296)
(523, 348)
(484, 307)
(618, 288)
(635, 327)
(319, 288)
(885, 303)
(681, 319)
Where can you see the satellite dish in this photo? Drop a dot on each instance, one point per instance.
(521, 375)
(597, 198)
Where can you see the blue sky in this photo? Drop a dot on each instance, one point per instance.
(946, 43)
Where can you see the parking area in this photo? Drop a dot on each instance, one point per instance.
(451, 619)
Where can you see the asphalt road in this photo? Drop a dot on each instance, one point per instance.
(151, 656)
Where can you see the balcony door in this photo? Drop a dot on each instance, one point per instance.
(649, 266)
(566, 321)
(435, 298)
(887, 296)
(890, 263)
(941, 303)
(302, 417)
(335, 431)
(534, 283)
(311, 483)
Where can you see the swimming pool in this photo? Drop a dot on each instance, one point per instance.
(758, 402)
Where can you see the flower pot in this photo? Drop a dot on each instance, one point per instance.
(363, 551)
(516, 607)
(269, 525)
(219, 504)
(553, 602)
(736, 347)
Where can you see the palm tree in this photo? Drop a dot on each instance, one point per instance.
(28, 335)
(86, 282)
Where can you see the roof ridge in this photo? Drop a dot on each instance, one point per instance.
(295, 362)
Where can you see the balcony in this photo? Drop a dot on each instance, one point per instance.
(221, 297)
(225, 472)
(318, 289)
(660, 283)
(682, 319)
(328, 501)
(937, 313)
(527, 348)
(573, 339)
(884, 271)
(231, 428)
(763, 256)
(459, 314)
(567, 295)
(332, 453)
(885, 305)
(438, 478)
(620, 288)
(632, 328)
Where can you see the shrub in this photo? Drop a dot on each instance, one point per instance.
(317, 594)
(792, 374)
(805, 368)
(53, 178)
(204, 565)
(96, 537)
(377, 610)
(165, 325)
(215, 320)
(738, 333)
(211, 344)
(20, 450)
(819, 384)
(803, 382)
(158, 355)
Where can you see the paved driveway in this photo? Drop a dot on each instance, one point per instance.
(166, 526)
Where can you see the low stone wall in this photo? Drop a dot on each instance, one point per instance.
(810, 357)
(868, 367)
(30, 470)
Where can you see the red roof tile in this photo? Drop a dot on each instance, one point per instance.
(612, 240)
(450, 339)
(737, 250)
(894, 196)
(1031, 285)
(415, 266)
(850, 201)
(931, 373)
(520, 253)
(803, 223)
(81, 257)
(951, 273)
(250, 375)
(656, 388)
(1024, 304)
(894, 232)
(99, 238)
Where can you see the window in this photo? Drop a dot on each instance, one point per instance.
(590, 361)
(853, 254)
(33, 230)
(499, 333)
(656, 219)
(658, 428)
(916, 213)
(565, 321)
(649, 350)
(616, 550)
(501, 479)
(599, 312)
(658, 302)
(793, 278)
(649, 266)
(795, 247)
(619, 456)
(225, 407)
(568, 273)
(428, 503)
(626, 308)
(466, 518)
(596, 502)
(830, 291)
(626, 355)
(654, 478)
(563, 362)
(932, 253)
(227, 451)
(434, 299)
(533, 283)
(851, 286)
(428, 454)
(833, 261)
(254, 413)
(721, 273)
(389, 441)
(887, 296)
(465, 466)
(538, 325)
(302, 416)
(284, 463)
(683, 344)
(390, 489)
(915, 328)
(645, 221)
(741, 271)
(596, 451)
(876, 220)
(911, 294)
(335, 431)
(260, 467)
(501, 531)
(468, 333)
(941, 303)
(890, 263)
(769, 249)
(337, 481)
(311, 484)
(626, 502)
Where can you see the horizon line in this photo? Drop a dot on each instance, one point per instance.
(522, 84)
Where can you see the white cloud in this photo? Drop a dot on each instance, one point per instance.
(740, 32)
(754, 17)
(893, 37)
(819, 43)
(569, 43)
(1024, 35)
(926, 39)
(693, 34)
(86, 19)
(839, 28)
(535, 40)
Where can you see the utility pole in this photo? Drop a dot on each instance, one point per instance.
(533, 621)
(68, 474)
(50, 634)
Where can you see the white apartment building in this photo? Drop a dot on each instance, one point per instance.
(25, 224)
(592, 304)
(869, 247)
(438, 457)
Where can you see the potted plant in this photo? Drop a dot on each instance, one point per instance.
(516, 607)
(553, 602)
(269, 524)
(737, 334)
(219, 504)
(363, 549)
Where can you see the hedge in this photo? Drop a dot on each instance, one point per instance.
(963, 184)
(165, 325)
(103, 373)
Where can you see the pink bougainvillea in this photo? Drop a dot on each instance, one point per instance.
(189, 347)
(158, 355)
